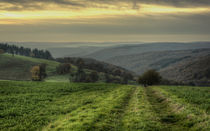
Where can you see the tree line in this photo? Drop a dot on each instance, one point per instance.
(114, 74)
(81, 74)
(38, 73)
(15, 50)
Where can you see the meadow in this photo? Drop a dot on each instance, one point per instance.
(26, 105)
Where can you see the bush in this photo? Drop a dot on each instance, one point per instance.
(150, 77)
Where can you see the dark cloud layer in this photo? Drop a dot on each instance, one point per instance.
(179, 3)
(37, 4)
(40, 4)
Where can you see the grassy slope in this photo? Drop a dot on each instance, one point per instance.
(78, 106)
(18, 67)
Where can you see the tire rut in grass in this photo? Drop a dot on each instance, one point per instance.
(83, 103)
(113, 120)
(161, 106)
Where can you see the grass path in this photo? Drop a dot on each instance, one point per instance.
(169, 119)
(193, 116)
(102, 114)
(139, 114)
(174, 114)
(112, 121)
(129, 109)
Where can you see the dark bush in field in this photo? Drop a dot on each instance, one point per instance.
(150, 77)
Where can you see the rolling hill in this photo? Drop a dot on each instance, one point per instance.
(164, 57)
(132, 49)
(183, 66)
(141, 62)
(194, 71)
(18, 68)
(105, 50)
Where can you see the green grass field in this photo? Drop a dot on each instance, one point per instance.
(109, 107)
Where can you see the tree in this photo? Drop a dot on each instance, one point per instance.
(13, 53)
(107, 78)
(63, 68)
(117, 72)
(48, 55)
(150, 77)
(93, 77)
(79, 76)
(125, 80)
(38, 73)
(15, 50)
(43, 73)
(1, 51)
(80, 63)
(35, 73)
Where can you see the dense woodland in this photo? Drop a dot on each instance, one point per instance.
(98, 66)
(113, 74)
(15, 50)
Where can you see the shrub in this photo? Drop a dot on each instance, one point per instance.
(150, 77)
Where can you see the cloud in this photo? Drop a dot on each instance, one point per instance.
(178, 3)
(17, 5)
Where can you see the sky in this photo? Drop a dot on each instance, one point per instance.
(104, 20)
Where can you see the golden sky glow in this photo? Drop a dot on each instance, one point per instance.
(9, 17)
(107, 19)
